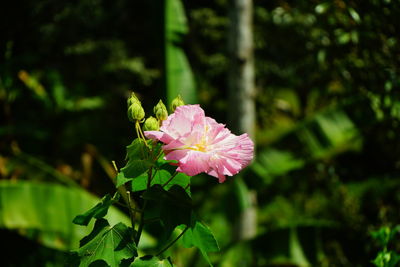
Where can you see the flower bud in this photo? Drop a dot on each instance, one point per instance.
(135, 109)
(135, 112)
(151, 124)
(160, 111)
(132, 99)
(178, 101)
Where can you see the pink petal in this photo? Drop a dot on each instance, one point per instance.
(182, 120)
(200, 144)
(158, 136)
(178, 155)
(174, 144)
(196, 162)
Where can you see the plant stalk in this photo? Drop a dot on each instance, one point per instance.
(173, 241)
(142, 221)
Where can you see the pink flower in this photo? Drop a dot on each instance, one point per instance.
(200, 144)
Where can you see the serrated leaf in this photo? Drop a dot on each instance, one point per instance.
(111, 244)
(150, 261)
(173, 206)
(98, 211)
(200, 236)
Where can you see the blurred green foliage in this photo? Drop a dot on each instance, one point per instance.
(386, 257)
(328, 109)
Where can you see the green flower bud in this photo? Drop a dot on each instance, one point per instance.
(133, 99)
(135, 112)
(151, 124)
(178, 101)
(135, 109)
(160, 111)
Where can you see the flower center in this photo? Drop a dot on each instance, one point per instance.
(199, 147)
(202, 146)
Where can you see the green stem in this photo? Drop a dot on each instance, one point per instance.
(140, 133)
(142, 221)
(126, 206)
(186, 187)
(173, 241)
(170, 179)
(132, 211)
(125, 193)
(155, 219)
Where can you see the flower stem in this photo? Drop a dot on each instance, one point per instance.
(173, 241)
(142, 221)
(170, 179)
(125, 196)
(141, 224)
(186, 187)
(132, 211)
(140, 134)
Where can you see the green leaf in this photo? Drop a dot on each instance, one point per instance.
(198, 235)
(273, 162)
(137, 150)
(134, 168)
(110, 244)
(174, 206)
(322, 136)
(386, 259)
(121, 179)
(140, 183)
(150, 261)
(179, 77)
(98, 211)
(49, 209)
(322, 8)
(160, 178)
(296, 250)
(354, 15)
(137, 156)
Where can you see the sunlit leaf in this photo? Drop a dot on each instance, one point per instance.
(150, 261)
(98, 211)
(179, 77)
(137, 153)
(108, 243)
(198, 235)
(161, 177)
(49, 210)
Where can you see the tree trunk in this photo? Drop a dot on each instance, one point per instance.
(241, 104)
(241, 73)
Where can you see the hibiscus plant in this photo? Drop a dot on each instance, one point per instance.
(155, 185)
